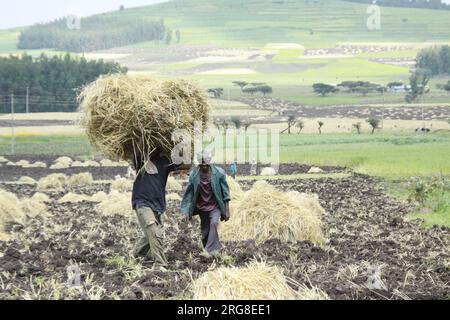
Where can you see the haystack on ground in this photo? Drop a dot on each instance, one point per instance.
(37, 164)
(268, 171)
(3, 159)
(173, 185)
(41, 197)
(33, 207)
(173, 197)
(26, 180)
(122, 185)
(108, 163)
(117, 203)
(256, 281)
(52, 182)
(22, 163)
(315, 170)
(73, 198)
(10, 212)
(80, 179)
(61, 163)
(265, 213)
(235, 189)
(99, 197)
(124, 114)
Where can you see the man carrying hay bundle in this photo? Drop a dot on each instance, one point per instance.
(208, 196)
(133, 118)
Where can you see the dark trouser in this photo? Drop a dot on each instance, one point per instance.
(150, 245)
(209, 225)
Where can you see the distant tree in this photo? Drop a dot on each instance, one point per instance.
(374, 123)
(446, 87)
(300, 125)
(216, 92)
(265, 89)
(324, 89)
(218, 124)
(237, 122)
(250, 90)
(418, 83)
(178, 35)
(362, 90)
(291, 120)
(240, 84)
(320, 123)
(358, 127)
(122, 7)
(225, 125)
(394, 84)
(247, 125)
(168, 39)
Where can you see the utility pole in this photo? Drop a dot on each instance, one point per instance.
(13, 139)
(28, 101)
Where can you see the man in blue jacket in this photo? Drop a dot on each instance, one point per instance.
(208, 196)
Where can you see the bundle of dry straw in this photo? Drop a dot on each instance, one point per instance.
(128, 115)
(256, 281)
(264, 213)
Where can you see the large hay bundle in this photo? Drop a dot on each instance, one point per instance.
(265, 213)
(256, 281)
(128, 114)
(26, 180)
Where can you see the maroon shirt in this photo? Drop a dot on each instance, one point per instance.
(206, 201)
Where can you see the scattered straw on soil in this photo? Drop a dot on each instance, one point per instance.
(173, 197)
(315, 170)
(123, 115)
(255, 281)
(122, 185)
(117, 203)
(173, 185)
(265, 213)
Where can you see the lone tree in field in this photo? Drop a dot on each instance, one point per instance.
(374, 123)
(290, 122)
(323, 89)
(418, 83)
(320, 123)
(237, 122)
(300, 125)
(168, 39)
(247, 125)
(218, 124)
(216, 92)
(265, 89)
(225, 125)
(358, 127)
(178, 36)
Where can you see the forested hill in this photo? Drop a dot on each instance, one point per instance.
(92, 33)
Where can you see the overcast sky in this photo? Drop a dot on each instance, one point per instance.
(15, 13)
